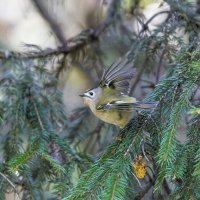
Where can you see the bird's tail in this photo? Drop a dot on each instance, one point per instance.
(142, 105)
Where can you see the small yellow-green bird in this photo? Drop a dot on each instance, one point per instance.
(110, 101)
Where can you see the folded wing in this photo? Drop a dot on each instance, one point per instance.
(124, 106)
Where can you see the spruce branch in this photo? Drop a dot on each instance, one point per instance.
(39, 145)
(38, 117)
(11, 183)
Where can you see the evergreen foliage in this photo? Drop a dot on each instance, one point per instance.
(43, 150)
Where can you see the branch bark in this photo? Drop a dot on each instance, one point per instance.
(73, 44)
(50, 20)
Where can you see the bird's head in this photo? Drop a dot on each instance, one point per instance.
(91, 96)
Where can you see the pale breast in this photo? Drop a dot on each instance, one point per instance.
(114, 117)
(118, 118)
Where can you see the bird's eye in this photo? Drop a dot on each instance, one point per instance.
(91, 93)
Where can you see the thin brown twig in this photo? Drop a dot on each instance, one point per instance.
(62, 66)
(144, 192)
(111, 13)
(142, 67)
(137, 180)
(145, 25)
(166, 186)
(143, 151)
(38, 116)
(11, 183)
(96, 131)
(50, 20)
(184, 10)
(139, 74)
(160, 65)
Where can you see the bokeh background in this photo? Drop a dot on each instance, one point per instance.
(32, 26)
(22, 23)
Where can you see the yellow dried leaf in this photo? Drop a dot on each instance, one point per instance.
(139, 167)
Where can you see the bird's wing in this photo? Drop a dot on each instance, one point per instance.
(124, 106)
(118, 76)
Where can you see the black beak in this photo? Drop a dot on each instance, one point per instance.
(82, 95)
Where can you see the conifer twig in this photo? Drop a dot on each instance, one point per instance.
(145, 26)
(38, 116)
(160, 65)
(143, 151)
(137, 179)
(11, 183)
(133, 141)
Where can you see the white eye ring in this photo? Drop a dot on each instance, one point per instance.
(91, 93)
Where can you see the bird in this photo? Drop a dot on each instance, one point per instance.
(110, 100)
